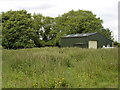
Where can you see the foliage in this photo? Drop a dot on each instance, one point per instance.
(107, 33)
(80, 21)
(44, 28)
(116, 44)
(37, 25)
(23, 30)
(17, 29)
(63, 68)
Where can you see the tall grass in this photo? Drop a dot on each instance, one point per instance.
(0, 68)
(60, 68)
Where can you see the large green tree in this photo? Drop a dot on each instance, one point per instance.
(17, 29)
(80, 21)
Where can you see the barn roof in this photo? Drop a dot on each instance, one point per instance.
(79, 35)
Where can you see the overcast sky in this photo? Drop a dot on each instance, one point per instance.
(107, 10)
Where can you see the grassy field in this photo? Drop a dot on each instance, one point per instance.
(60, 68)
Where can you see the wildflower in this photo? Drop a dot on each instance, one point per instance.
(62, 78)
(60, 82)
(35, 84)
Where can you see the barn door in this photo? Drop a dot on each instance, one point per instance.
(92, 44)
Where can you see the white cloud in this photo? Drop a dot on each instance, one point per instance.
(105, 9)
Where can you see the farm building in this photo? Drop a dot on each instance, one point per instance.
(86, 40)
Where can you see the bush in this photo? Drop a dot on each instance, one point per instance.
(116, 44)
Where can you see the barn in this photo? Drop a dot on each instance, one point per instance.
(85, 40)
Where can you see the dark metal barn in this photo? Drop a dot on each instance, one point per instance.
(86, 40)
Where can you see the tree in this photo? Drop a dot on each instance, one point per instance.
(43, 26)
(17, 29)
(23, 30)
(37, 26)
(80, 21)
(48, 33)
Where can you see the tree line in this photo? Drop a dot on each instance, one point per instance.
(21, 29)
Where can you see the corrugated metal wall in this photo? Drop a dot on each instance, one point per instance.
(83, 41)
(69, 42)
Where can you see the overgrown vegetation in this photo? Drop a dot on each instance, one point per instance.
(116, 44)
(60, 68)
(0, 30)
(23, 30)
